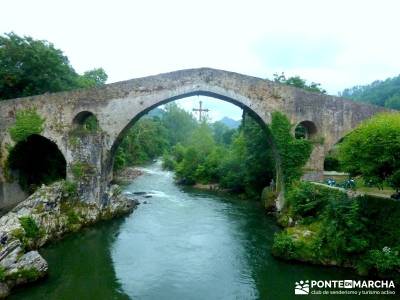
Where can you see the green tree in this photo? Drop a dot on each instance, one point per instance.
(233, 165)
(222, 133)
(179, 122)
(299, 82)
(95, 77)
(393, 102)
(145, 141)
(372, 150)
(31, 67)
(195, 165)
(380, 92)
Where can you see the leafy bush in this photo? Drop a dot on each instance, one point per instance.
(307, 199)
(2, 273)
(69, 188)
(168, 162)
(27, 122)
(382, 220)
(372, 150)
(72, 217)
(385, 260)
(284, 246)
(30, 227)
(344, 230)
(81, 169)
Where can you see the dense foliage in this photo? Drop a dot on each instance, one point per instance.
(145, 141)
(293, 152)
(383, 93)
(241, 160)
(332, 228)
(180, 124)
(154, 135)
(31, 67)
(372, 150)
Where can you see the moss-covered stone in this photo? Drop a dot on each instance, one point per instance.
(268, 198)
(28, 274)
(81, 169)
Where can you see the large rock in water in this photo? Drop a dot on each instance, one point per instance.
(46, 215)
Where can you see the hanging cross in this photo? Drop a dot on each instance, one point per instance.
(201, 110)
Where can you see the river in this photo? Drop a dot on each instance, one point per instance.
(178, 244)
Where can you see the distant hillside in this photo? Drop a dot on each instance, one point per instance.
(383, 93)
(231, 123)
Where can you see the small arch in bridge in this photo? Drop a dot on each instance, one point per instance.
(36, 161)
(86, 120)
(305, 130)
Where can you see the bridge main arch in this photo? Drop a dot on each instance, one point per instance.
(261, 117)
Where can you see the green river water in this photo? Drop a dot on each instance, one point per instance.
(182, 244)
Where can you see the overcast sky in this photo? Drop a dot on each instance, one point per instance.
(336, 43)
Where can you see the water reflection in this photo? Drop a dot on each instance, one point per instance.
(80, 267)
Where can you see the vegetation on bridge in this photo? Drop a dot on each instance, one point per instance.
(299, 82)
(27, 122)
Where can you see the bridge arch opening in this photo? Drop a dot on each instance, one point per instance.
(36, 161)
(85, 121)
(305, 130)
(250, 116)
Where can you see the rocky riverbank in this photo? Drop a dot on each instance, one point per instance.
(210, 187)
(127, 175)
(47, 215)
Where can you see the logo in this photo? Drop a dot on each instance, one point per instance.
(344, 287)
(302, 288)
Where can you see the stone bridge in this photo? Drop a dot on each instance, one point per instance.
(118, 106)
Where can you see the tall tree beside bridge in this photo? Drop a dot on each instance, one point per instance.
(32, 67)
